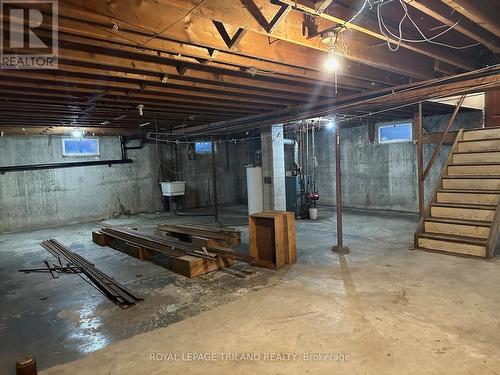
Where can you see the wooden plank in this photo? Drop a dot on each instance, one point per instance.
(458, 248)
(457, 229)
(482, 145)
(472, 157)
(459, 170)
(472, 183)
(470, 198)
(130, 249)
(462, 213)
(470, 135)
(190, 266)
(100, 238)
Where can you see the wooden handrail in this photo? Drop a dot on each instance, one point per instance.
(439, 185)
(441, 141)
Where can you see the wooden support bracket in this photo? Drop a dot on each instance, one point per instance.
(231, 42)
(259, 17)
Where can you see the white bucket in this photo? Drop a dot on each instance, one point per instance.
(313, 213)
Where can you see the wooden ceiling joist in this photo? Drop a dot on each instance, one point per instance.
(199, 27)
(277, 58)
(368, 26)
(483, 17)
(198, 64)
(449, 17)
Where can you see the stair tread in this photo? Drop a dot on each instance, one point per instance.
(453, 238)
(490, 207)
(476, 223)
(479, 129)
(473, 176)
(479, 140)
(471, 191)
(476, 152)
(474, 163)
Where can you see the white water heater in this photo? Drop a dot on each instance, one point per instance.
(255, 190)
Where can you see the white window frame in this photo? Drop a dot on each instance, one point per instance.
(214, 145)
(97, 153)
(395, 125)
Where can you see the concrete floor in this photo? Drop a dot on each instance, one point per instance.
(380, 309)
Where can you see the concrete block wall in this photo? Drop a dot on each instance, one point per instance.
(45, 198)
(380, 176)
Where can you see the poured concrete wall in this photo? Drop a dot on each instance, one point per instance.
(44, 198)
(182, 163)
(380, 176)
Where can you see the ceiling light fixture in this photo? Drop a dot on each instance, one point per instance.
(140, 107)
(332, 63)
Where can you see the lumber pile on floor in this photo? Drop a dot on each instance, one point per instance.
(187, 259)
(115, 291)
(203, 235)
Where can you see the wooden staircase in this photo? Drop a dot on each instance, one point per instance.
(463, 215)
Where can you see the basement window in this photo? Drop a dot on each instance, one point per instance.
(80, 147)
(203, 147)
(395, 133)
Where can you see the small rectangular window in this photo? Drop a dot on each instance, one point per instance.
(395, 133)
(80, 147)
(203, 147)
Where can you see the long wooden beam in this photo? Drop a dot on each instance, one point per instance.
(465, 83)
(472, 10)
(449, 17)
(368, 26)
(198, 27)
(256, 56)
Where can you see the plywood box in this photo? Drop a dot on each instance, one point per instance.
(272, 238)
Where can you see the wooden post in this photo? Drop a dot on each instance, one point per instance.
(417, 123)
(214, 174)
(26, 366)
(339, 248)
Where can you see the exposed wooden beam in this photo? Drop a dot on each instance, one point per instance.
(320, 6)
(449, 17)
(340, 15)
(386, 98)
(198, 27)
(282, 60)
(472, 10)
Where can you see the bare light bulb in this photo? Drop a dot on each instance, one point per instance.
(330, 125)
(332, 63)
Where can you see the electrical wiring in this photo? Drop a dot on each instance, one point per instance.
(384, 29)
(356, 14)
(173, 23)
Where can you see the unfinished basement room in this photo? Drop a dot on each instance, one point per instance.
(249, 187)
